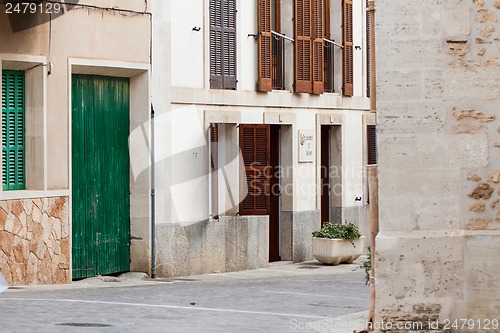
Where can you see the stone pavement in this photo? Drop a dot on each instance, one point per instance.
(303, 297)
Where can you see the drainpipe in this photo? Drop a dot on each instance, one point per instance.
(153, 199)
(373, 169)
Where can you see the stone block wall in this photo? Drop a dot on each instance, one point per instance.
(34, 241)
(438, 81)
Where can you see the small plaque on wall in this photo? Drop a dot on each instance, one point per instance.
(306, 146)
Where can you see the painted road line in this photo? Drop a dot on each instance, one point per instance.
(160, 306)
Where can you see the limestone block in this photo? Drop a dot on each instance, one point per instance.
(452, 21)
(477, 224)
(472, 176)
(488, 30)
(483, 191)
(494, 177)
(429, 263)
(498, 216)
(494, 203)
(486, 16)
(9, 224)
(478, 208)
(473, 114)
(65, 246)
(28, 206)
(3, 219)
(481, 271)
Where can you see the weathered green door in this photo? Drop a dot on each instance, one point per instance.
(100, 175)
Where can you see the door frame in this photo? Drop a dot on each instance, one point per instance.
(140, 187)
(334, 120)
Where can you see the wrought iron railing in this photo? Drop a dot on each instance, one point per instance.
(329, 59)
(278, 60)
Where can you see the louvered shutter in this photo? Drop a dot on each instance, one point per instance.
(214, 169)
(254, 145)
(265, 45)
(371, 135)
(318, 47)
(216, 44)
(13, 137)
(303, 46)
(229, 43)
(348, 49)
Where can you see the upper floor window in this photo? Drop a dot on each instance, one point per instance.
(13, 130)
(314, 48)
(223, 44)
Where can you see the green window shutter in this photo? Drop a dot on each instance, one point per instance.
(13, 124)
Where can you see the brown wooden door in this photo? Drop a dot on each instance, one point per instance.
(275, 196)
(325, 174)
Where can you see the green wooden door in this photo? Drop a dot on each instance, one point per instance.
(100, 175)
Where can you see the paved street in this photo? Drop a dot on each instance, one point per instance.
(283, 298)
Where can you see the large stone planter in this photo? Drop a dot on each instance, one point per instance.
(336, 251)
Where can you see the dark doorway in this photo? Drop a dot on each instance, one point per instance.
(331, 174)
(275, 193)
(325, 177)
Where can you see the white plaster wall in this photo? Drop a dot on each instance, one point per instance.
(247, 46)
(359, 20)
(188, 58)
(352, 159)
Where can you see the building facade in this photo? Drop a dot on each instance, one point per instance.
(261, 117)
(437, 119)
(69, 75)
(179, 137)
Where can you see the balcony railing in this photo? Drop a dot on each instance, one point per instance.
(278, 60)
(329, 58)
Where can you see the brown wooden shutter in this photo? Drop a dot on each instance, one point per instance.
(216, 44)
(371, 135)
(303, 46)
(318, 47)
(229, 44)
(254, 145)
(265, 45)
(348, 49)
(214, 167)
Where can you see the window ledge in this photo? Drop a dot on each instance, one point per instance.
(32, 194)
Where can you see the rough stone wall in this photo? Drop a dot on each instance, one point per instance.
(34, 241)
(438, 73)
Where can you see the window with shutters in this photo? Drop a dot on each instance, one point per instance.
(271, 44)
(254, 145)
(13, 130)
(223, 44)
(371, 135)
(348, 48)
(309, 47)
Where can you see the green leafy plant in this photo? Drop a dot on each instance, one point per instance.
(331, 230)
(366, 265)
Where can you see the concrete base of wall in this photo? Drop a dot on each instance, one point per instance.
(213, 246)
(440, 276)
(304, 223)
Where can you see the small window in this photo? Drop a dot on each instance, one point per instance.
(13, 130)
(371, 135)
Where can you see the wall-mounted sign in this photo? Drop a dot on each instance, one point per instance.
(306, 146)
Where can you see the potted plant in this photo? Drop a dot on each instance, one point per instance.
(337, 243)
